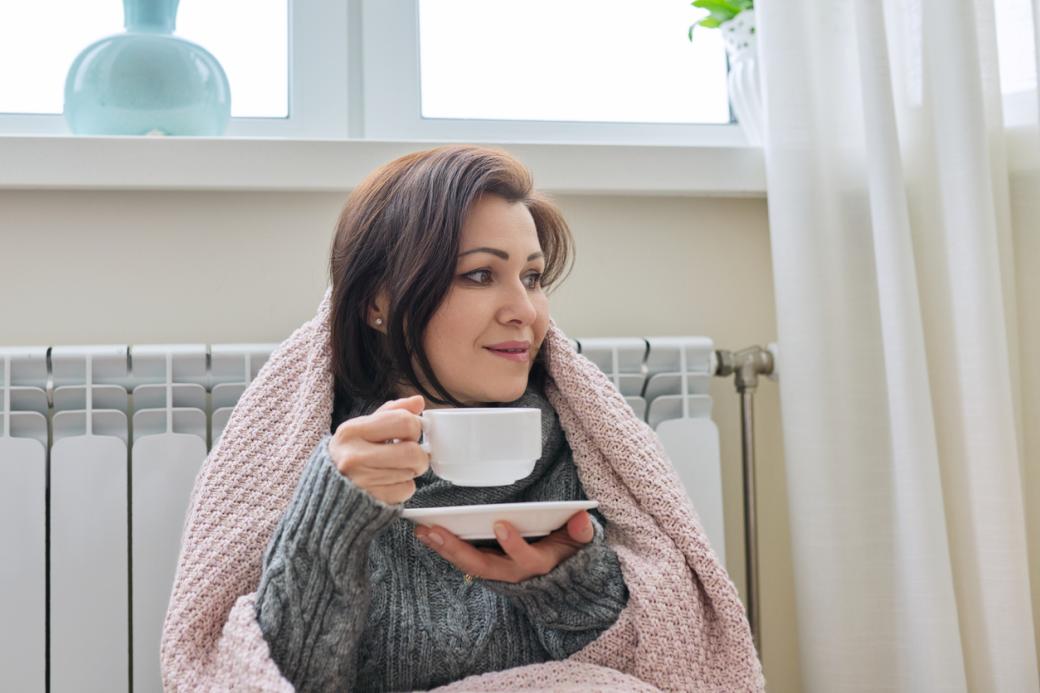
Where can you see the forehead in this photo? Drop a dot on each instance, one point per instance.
(493, 220)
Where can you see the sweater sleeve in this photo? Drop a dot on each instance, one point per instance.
(312, 601)
(571, 605)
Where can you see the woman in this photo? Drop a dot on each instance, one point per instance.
(296, 569)
(433, 265)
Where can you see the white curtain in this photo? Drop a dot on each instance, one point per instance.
(894, 265)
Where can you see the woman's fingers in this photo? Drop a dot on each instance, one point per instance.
(393, 493)
(358, 449)
(542, 556)
(467, 558)
(533, 559)
(579, 527)
(405, 455)
(370, 465)
(415, 404)
(520, 562)
(381, 426)
(383, 476)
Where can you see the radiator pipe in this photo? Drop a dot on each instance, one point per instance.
(746, 365)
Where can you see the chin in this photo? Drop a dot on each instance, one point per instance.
(507, 393)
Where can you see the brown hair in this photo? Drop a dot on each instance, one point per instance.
(399, 232)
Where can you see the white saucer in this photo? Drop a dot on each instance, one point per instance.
(473, 522)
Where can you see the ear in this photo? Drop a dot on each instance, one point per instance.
(378, 310)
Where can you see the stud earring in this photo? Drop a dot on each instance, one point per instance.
(379, 321)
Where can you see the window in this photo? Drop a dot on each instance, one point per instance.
(1017, 58)
(249, 38)
(253, 39)
(581, 60)
(617, 71)
(610, 71)
(1015, 42)
(256, 61)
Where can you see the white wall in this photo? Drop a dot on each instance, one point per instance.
(139, 267)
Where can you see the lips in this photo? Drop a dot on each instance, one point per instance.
(514, 351)
(513, 346)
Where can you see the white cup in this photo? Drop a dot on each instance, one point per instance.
(482, 446)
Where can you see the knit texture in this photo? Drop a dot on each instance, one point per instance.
(351, 599)
(684, 627)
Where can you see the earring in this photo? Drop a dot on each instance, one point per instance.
(379, 321)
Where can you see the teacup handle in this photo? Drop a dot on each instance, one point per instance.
(425, 444)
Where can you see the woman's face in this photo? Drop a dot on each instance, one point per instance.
(495, 298)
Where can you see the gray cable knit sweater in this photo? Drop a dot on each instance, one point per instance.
(350, 599)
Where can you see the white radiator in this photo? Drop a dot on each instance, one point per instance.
(95, 480)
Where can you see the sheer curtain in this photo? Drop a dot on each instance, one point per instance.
(894, 260)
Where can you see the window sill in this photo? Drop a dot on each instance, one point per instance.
(74, 162)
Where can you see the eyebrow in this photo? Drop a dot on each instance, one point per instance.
(500, 253)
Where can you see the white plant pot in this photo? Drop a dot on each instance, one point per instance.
(745, 89)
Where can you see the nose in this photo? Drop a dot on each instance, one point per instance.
(517, 306)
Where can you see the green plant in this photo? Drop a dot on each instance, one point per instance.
(720, 11)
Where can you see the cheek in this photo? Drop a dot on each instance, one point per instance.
(449, 327)
(459, 322)
(454, 320)
(541, 323)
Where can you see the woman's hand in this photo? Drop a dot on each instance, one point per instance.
(359, 450)
(521, 560)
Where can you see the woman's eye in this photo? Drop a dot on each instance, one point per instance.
(482, 273)
(483, 276)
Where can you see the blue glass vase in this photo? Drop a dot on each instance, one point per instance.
(147, 81)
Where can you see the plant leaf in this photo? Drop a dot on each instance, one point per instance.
(720, 11)
(724, 10)
(719, 6)
(722, 6)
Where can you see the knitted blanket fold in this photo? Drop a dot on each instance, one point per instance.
(684, 627)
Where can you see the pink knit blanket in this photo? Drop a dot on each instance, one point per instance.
(684, 627)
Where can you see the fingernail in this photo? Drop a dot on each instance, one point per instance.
(435, 538)
(501, 532)
(588, 532)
